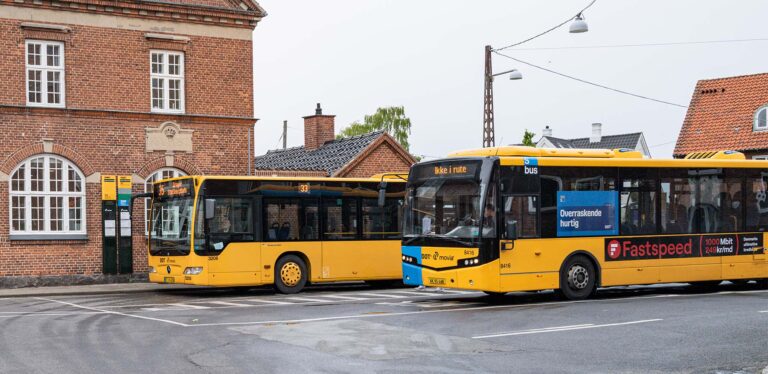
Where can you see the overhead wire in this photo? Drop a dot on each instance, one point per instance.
(663, 44)
(548, 30)
(588, 82)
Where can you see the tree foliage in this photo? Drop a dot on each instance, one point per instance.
(390, 119)
(528, 138)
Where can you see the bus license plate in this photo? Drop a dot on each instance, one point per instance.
(169, 280)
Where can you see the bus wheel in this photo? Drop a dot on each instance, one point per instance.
(578, 278)
(290, 274)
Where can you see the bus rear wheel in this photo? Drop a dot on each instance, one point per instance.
(290, 274)
(578, 279)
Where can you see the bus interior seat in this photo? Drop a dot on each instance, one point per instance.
(285, 231)
(273, 231)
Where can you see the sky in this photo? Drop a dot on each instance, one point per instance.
(427, 55)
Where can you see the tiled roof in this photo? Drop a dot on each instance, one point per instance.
(721, 115)
(606, 141)
(329, 157)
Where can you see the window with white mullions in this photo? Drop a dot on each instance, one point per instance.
(167, 81)
(45, 73)
(47, 197)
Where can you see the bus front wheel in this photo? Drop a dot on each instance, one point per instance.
(578, 278)
(290, 274)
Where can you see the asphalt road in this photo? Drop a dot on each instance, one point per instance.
(359, 329)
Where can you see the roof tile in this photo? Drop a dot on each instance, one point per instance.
(721, 115)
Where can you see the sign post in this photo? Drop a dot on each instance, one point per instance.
(109, 224)
(125, 242)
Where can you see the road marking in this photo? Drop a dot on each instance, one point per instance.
(381, 295)
(189, 306)
(112, 312)
(564, 328)
(763, 311)
(396, 314)
(227, 303)
(347, 297)
(309, 300)
(269, 301)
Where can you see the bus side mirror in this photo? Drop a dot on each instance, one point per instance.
(382, 193)
(210, 205)
(511, 232)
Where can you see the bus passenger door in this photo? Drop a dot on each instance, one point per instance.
(526, 261)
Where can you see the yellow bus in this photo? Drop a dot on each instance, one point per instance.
(522, 219)
(248, 231)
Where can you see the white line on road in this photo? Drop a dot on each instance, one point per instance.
(563, 328)
(381, 295)
(347, 297)
(227, 303)
(269, 301)
(189, 306)
(308, 300)
(112, 312)
(763, 311)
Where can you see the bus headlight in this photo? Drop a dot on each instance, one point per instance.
(193, 271)
(152, 270)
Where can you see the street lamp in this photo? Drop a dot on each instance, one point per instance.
(579, 25)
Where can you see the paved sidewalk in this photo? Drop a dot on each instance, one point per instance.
(93, 289)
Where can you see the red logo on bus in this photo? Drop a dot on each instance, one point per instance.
(614, 249)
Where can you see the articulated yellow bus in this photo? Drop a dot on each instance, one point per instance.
(247, 231)
(523, 219)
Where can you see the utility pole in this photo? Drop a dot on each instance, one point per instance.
(285, 134)
(489, 134)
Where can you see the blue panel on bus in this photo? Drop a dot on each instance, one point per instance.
(412, 275)
(412, 251)
(411, 272)
(587, 213)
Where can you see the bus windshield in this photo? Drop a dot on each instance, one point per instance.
(171, 221)
(444, 206)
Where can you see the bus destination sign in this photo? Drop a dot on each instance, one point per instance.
(447, 170)
(180, 188)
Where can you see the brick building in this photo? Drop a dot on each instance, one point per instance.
(88, 88)
(325, 156)
(727, 114)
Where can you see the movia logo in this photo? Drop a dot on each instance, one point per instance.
(530, 166)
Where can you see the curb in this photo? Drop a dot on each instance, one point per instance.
(40, 292)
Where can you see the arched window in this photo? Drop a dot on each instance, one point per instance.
(47, 196)
(760, 119)
(160, 174)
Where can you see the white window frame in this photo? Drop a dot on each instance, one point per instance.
(165, 77)
(757, 114)
(44, 70)
(154, 177)
(47, 194)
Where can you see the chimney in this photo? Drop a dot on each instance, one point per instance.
(547, 131)
(596, 133)
(318, 129)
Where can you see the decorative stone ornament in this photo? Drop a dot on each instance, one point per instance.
(169, 137)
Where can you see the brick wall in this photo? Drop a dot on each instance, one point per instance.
(382, 159)
(108, 69)
(106, 146)
(318, 129)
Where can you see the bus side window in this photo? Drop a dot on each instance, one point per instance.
(549, 187)
(281, 219)
(757, 201)
(232, 222)
(521, 211)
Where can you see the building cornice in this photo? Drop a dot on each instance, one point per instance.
(125, 115)
(153, 10)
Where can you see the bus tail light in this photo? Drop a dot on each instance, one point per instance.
(193, 271)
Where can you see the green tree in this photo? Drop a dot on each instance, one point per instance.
(391, 119)
(528, 138)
